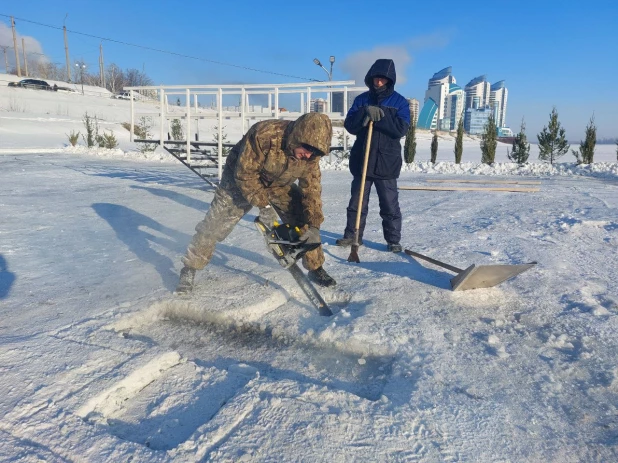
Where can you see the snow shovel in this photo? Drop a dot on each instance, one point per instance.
(474, 277)
(353, 257)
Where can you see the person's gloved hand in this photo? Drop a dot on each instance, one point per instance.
(372, 113)
(268, 215)
(311, 236)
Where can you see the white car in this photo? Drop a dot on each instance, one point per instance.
(125, 96)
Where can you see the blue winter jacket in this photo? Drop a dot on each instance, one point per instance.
(385, 152)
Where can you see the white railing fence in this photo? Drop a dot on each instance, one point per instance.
(244, 110)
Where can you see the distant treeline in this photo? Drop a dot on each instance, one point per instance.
(607, 141)
(115, 77)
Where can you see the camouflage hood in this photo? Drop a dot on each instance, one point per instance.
(313, 129)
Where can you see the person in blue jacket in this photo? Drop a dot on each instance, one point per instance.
(390, 113)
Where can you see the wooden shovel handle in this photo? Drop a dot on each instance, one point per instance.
(363, 178)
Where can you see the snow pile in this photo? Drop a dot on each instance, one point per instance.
(158, 155)
(599, 169)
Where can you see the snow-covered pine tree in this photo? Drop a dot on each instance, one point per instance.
(177, 132)
(585, 154)
(521, 147)
(489, 141)
(552, 140)
(459, 141)
(409, 149)
(434, 147)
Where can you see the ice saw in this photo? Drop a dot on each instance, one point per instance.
(284, 243)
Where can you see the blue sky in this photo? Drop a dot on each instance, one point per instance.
(549, 53)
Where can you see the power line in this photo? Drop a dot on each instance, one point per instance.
(162, 51)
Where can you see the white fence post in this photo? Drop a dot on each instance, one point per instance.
(132, 116)
(162, 118)
(243, 95)
(345, 111)
(188, 102)
(308, 109)
(276, 102)
(220, 141)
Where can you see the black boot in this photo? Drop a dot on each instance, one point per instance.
(394, 247)
(185, 285)
(346, 242)
(320, 277)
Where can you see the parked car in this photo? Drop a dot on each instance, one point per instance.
(31, 83)
(125, 95)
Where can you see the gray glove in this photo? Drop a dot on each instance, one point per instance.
(311, 236)
(372, 113)
(268, 215)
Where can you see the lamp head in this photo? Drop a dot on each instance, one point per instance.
(317, 61)
(332, 59)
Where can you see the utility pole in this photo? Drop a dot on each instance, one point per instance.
(101, 66)
(23, 49)
(66, 49)
(15, 48)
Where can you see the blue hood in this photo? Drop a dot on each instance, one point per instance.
(382, 67)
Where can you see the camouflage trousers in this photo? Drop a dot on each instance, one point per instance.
(226, 210)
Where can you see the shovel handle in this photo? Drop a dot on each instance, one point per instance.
(433, 261)
(363, 178)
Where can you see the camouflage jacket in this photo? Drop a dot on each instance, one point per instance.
(264, 165)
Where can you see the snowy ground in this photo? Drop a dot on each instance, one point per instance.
(98, 363)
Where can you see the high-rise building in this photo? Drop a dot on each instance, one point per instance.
(338, 102)
(498, 99)
(477, 97)
(413, 102)
(317, 105)
(477, 118)
(454, 108)
(444, 102)
(436, 96)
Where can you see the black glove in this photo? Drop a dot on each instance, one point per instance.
(311, 236)
(372, 113)
(268, 215)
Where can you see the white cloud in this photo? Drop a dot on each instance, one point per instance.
(34, 49)
(438, 39)
(357, 64)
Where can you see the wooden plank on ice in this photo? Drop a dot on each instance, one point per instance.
(449, 188)
(506, 182)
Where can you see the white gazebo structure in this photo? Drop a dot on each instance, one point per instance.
(192, 111)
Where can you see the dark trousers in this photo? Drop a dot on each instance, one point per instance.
(388, 196)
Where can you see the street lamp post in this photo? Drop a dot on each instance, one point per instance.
(80, 67)
(329, 94)
(329, 74)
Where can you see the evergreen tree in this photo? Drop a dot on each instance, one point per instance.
(215, 138)
(409, 149)
(521, 147)
(489, 141)
(459, 140)
(552, 140)
(616, 150)
(585, 154)
(177, 132)
(434, 147)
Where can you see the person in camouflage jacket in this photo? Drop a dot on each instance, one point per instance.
(261, 171)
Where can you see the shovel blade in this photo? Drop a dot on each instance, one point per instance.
(486, 276)
(353, 257)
